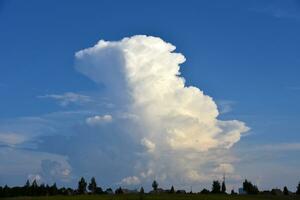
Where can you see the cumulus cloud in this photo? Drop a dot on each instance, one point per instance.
(177, 124)
(150, 146)
(98, 120)
(130, 180)
(224, 168)
(68, 98)
(54, 170)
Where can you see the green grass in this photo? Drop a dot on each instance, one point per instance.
(161, 197)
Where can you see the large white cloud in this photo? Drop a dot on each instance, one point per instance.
(177, 125)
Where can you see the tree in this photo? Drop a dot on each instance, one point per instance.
(109, 191)
(93, 185)
(82, 186)
(249, 187)
(53, 189)
(26, 188)
(27, 184)
(99, 190)
(142, 190)
(223, 189)
(285, 191)
(34, 187)
(34, 184)
(216, 187)
(172, 190)
(5, 191)
(298, 189)
(155, 185)
(42, 189)
(205, 191)
(119, 191)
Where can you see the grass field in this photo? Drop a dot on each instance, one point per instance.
(160, 197)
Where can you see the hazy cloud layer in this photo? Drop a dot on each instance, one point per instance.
(288, 9)
(68, 98)
(12, 139)
(17, 165)
(176, 124)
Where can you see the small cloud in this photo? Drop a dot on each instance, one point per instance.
(148, 144)
(68, 98)
(12, 139)
(224, 168)
(55, 170)
(129, 116)
(98, 120)
(36, 177)
(130, 180)
(147, 173)
(193, 175)
(225, 106)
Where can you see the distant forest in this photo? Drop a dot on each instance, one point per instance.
(35, 189)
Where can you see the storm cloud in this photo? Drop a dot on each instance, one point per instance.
(176, 125)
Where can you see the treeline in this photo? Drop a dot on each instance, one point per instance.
(35, 189)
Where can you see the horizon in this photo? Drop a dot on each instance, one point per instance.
(128, 93)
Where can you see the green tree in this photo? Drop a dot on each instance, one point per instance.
(34, 188)
(93, 185)
(223, 189)
(285, 191)
(172, 190)
(82, 186)
(34, 184)
(5, 191)
(216, 187)
(142, 190)
(109, 191)
(99, 190)
(205, 191)
(298, 189)
(119, 191)
(26, 188)
(155, 185)
(250, 188)
(27, 184)
(53, 189)
(42, 190)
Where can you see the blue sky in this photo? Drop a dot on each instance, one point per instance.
(244, 54)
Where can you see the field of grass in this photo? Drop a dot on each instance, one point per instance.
(161, 197)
